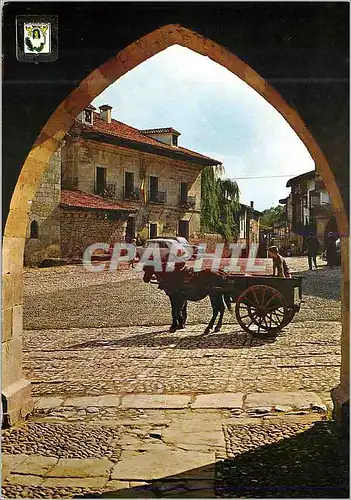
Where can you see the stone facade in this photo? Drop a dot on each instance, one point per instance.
(248, 220)
(308, 210)
(82, 157)
(44, 219)
(82, 228)
(97, 167)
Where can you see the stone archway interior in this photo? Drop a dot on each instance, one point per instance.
(15, 388)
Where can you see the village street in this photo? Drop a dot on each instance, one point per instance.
(99, 333)
(123, 406)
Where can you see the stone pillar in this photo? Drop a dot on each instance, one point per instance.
(16, 396)
(340, 394)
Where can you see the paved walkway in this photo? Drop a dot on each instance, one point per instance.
(147, 445)
(123, 408)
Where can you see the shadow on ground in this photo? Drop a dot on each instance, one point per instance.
(310, 464)
(163, 338)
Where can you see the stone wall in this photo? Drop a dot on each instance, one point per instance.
(45, 211)
(82, 157)
(82, 228)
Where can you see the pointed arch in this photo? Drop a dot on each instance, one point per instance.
(96, 82)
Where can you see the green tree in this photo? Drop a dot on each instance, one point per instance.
(273, 215)
(220, 202)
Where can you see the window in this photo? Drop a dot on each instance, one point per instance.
(88, 116)
(174, 140)
(183, 192)
(34, 230)
(153, 188)
(128, 184)
(100, 182)
(242, 228)
(153, 230)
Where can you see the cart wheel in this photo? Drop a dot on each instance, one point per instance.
(261, 309)
(289, 316)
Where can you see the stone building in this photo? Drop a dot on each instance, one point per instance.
(308, 210)
(43, 231)
(109, 182)
(248, 221)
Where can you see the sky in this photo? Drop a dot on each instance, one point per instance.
(217, 115)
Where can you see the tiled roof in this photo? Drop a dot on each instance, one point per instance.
(294, 180)
(121, 130)
(167, 130)
(79, 199)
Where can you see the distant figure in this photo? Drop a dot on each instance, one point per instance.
(138, 241)
(331, 250)
(279, 263)
(312, 250)
(131, 262)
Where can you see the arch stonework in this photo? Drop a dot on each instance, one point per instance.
(15, 388)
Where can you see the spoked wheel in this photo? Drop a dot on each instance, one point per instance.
(289, 316)
(261, 309)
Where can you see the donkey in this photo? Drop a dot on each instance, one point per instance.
(184, 284)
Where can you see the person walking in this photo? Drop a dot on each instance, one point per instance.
(331, 250)
(279, 263)
(312, 250)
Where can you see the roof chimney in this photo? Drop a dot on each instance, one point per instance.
(251, 204)
(105, 112)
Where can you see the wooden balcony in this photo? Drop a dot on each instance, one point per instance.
(324, 210)
(159, 197)
(132, 194)
(106, 191)
(188, 202)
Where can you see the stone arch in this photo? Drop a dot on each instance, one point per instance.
(61, 120)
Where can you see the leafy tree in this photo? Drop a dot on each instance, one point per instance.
(220, 202)
(273, 215)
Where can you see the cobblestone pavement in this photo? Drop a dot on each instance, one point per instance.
(176, 455)
(76, 342)
(123, 408)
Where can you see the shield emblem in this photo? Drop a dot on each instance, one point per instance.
(37, 38)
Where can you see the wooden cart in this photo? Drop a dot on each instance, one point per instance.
(264, 303)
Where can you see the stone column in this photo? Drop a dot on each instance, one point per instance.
(16, 396)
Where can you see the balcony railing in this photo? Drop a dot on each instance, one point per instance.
(158, 197)
(106, 191)
(187, 201)
(325, 209)
(132, 194)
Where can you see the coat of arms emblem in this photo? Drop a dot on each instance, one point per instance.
(37, 38)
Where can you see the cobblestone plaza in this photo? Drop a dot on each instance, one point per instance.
(125, 408)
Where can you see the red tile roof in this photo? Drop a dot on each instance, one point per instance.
(79, 199)
(167, 130)
(121, 130)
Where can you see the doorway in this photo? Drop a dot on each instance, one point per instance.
(153, 230)
(130, 230)
(183, 229)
